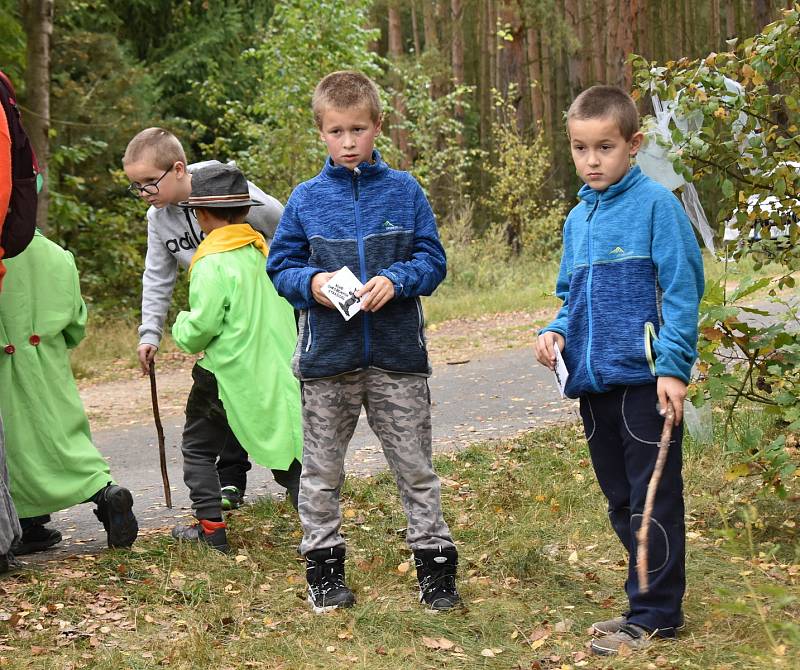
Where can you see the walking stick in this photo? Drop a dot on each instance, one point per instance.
(162, 455)
(644, 530)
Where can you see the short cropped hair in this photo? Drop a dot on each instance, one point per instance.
(607, 101)
(346, 89)
(229, 214)
(155, 144)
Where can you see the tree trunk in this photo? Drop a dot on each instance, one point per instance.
(535, 74)
(457, 52)
(399, 135)
(598, 11)
(716, 38)
(761, 11)
(415, 29)
(730, 19)
(612, 27)
(429, 25)
(484, 76)
(37, 19)
(626, 21)
(575, 74)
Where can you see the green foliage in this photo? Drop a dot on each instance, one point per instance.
(12, 42)
(306, 40)
(442, 159)
(745, 145)
(517, 196)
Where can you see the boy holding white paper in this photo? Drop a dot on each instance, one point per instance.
(631, 280)
(360, 214)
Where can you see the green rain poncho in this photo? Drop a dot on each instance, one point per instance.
(52, 462)
(248, 334)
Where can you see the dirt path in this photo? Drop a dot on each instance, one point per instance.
(126, 400)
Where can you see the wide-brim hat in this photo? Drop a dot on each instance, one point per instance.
(219, 185)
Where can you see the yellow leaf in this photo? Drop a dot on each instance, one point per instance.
(404, 567)
(739, 470)
(488, 653)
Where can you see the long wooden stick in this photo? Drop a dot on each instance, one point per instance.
(642, 559)
(162, 454)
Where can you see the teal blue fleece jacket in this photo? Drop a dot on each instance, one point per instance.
(631, 280)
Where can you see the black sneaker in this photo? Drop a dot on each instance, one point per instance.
(436, 572)
(115, 510)
(231, 498)
(212, 533)
(325, 577)
(36, 538)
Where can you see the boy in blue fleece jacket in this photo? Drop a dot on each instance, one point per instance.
(631, 281)
(359, 213)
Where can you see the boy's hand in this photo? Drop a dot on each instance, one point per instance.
(381, 291)
(671, 389)
(317, 282)
(545, 353)
(146, 353)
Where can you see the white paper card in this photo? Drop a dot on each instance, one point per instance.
(341, 291)
(560, 371)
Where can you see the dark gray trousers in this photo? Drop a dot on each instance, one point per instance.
(206, 434)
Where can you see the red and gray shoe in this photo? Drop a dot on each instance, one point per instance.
(204, 531)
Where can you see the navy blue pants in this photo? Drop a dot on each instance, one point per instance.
(623, 428)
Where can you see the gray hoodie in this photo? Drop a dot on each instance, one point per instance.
(172, 238)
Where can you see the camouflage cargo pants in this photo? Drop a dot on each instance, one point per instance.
(398, 412)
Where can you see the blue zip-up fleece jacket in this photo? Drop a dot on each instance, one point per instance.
(631, 281)
(376, 221)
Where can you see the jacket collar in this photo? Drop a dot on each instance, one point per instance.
(632, 177)
(366, 169)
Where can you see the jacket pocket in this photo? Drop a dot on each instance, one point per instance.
(650, 337)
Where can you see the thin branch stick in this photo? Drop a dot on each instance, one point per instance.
(162, 455)
(642, 559)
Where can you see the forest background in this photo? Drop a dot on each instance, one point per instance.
(475, 96)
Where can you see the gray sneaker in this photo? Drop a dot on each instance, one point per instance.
(630, 635)
(609, 626)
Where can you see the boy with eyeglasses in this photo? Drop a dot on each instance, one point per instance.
(155, 163)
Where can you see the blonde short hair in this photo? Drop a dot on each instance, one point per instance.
(157, 145)
(607, 101)
(346, 89)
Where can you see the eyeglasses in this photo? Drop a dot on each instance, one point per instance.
(151, 188)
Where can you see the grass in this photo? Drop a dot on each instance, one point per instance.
(539, 563)
(110, 346)
(523, 285)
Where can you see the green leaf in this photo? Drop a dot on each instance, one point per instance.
(727, 188)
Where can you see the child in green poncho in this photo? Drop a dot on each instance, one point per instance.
(244, 389)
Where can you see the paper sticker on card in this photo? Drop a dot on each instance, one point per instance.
(341, 290)
(561, 373)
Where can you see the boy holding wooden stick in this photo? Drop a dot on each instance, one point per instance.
(631, 281)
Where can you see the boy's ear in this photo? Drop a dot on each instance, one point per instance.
(636, 142)
(180, 169)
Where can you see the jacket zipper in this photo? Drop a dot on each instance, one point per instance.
(589, 296)
(362, 267)
(308, 326)
(421, 324)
